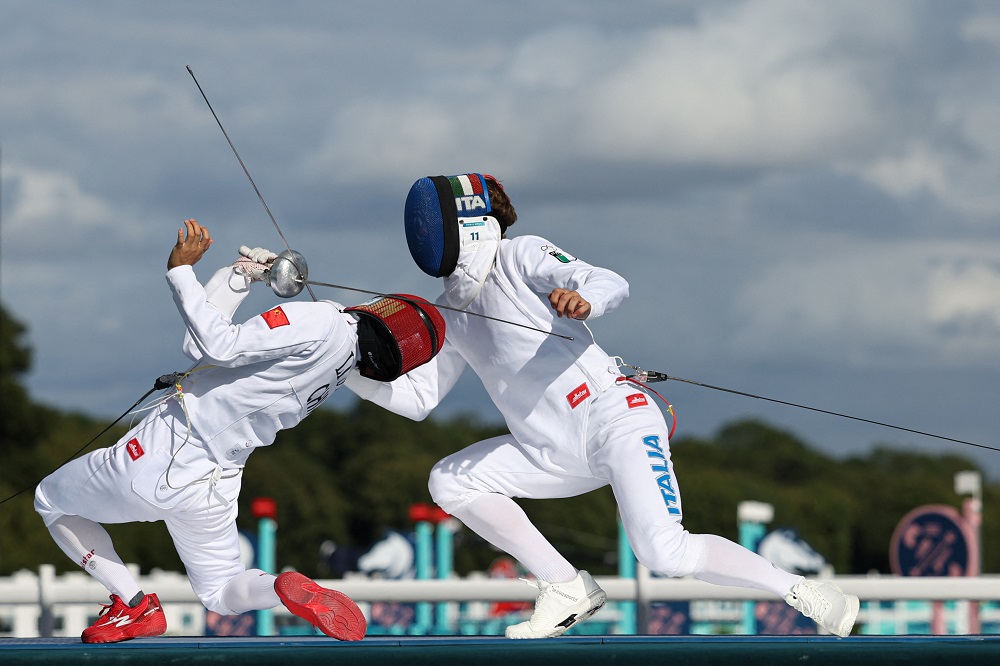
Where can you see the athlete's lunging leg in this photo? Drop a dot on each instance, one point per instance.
(475, 485)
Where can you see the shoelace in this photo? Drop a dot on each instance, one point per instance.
(814, 610)
(539, 585)
(106, 608)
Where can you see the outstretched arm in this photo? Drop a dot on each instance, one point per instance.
(418, 392)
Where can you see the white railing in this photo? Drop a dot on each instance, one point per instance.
(49, 605)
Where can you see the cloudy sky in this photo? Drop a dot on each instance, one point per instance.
(803, 196)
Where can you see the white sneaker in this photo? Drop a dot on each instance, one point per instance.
(827, 604)
(559, 606)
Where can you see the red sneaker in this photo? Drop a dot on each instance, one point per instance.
(330, 611)
(117, 622)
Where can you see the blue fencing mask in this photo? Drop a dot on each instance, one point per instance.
(436, 208)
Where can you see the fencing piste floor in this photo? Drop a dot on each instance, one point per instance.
(496, 651)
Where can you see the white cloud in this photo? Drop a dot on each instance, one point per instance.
(368, 140)
(98, 105)
(983, 28)
(60, 240)
(770, 84)
(962, 177)
(932, 302)
(917, 170)
(741, 88)
(966, 295)
(757, 84)
(563, 58)
(48, 202)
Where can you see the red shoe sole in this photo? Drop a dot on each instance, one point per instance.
(332, 612)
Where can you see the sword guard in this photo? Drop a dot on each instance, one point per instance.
(288, 275)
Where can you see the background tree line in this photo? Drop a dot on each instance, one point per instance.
(347, 476)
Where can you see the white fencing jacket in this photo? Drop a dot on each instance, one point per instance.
(541, 384)
(264, 375)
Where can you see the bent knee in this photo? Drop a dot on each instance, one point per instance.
(49, 512)
(219, 588)
(671, 551)
(443, 486)
(214, 598)
(450, 491)
(213, 602)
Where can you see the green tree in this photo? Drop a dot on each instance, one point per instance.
(22, 423)
(890, 483)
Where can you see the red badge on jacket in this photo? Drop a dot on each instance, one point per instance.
(134, 449)
(275, 317)
(578, 395)
(637, 400)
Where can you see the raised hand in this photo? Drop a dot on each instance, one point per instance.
(193, 242)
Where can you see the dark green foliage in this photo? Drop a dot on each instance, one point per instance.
(348, 476)
(749, 460)
(891, 484)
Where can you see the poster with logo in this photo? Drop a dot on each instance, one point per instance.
(933, 540)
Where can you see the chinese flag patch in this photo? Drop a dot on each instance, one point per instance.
(578, 395)
(275, 317)
(637, 400)
(134, 449)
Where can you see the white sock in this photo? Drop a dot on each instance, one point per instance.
(726, 563)
(251, 590)
(89, 545)
(503, 523)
